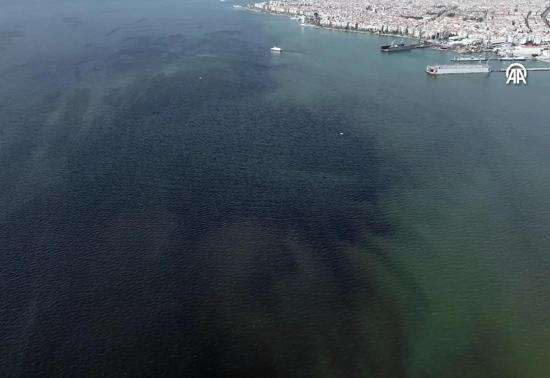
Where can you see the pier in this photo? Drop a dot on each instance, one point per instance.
(528, 69)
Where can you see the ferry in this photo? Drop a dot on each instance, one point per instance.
(276, 49)
(458, 69)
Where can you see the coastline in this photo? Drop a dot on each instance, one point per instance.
(252, 9)
(435, 44)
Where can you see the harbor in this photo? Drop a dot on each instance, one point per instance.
(472, 64)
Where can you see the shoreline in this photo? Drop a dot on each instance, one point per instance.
(434, 44)
(290, 16)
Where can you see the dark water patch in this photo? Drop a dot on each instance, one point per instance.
(223, 34)
(138, 51)
(110, 33)
(197, 223)
(185, 204)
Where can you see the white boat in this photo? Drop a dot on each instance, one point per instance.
(457, 69)
(276, 49)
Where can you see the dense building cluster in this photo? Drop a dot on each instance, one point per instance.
(466, 22)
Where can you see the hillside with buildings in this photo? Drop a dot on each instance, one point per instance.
(464, 24)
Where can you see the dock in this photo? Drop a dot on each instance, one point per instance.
(528, 69)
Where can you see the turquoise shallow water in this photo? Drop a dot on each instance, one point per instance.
(176, 200)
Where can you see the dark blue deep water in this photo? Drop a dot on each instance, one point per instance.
(175, 200)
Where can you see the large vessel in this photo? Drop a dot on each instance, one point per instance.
(458, 69)
(468, 59)
(393, 47)
(510, 58)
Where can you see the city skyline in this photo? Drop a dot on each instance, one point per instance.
(476, 22)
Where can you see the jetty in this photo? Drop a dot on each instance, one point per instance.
(527, 68)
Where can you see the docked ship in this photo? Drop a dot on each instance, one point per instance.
(510, 58)
(458, 69)
(393, 47)
(468, 59)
